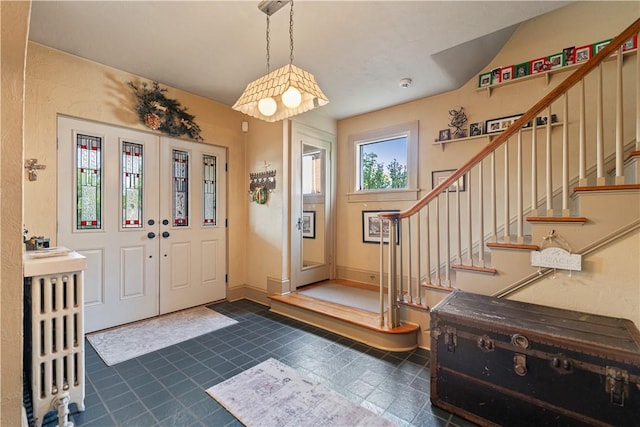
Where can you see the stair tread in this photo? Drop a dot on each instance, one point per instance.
(521, 246)
(474, 268)
(620, 187)
(561, 219)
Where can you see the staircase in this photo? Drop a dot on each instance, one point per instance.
(573, 184)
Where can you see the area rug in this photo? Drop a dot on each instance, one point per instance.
(351, 296)
(135, 339)
(273, 394)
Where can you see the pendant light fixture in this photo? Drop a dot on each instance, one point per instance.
(282, 93)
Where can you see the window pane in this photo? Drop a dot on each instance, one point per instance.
(131, 185)
(88, 185)
(208, 190)
(180, 188)
(311, 173)
(383, 164)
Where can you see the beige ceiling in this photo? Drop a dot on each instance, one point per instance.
(358, 50)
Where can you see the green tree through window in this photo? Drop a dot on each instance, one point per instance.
(379, 174)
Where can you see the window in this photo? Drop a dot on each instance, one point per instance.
(385, 163)
(312, 173)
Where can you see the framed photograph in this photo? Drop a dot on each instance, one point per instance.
(569, 55)
(485, 79)
(521, 70)
(630, 44)
(556, 60)
(495, 76)
(597, 47)
(498, 125)
(543, 120)
(444, 135)
(475, 129)
(583, 53)
(506, 73)
(372, 230)
(309, 224)
(537, 65)
(438, 177)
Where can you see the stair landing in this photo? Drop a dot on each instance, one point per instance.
(357, 324)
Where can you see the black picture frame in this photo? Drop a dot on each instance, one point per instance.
(444, 135)
(438, 176)
(309, 224)
(371, 229)
(476, 129)
(500, 124)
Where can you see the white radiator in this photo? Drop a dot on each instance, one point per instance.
(55, 341)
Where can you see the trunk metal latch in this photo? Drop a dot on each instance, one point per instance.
(617, 385)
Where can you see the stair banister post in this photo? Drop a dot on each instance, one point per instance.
(534, 168)
(494, 202)
(565, 156)
(458, 230)
(600, 180)
(437, 248)
(427, 239)
(549, 166)
(480, 214)
(582, 174)
(469, 222)
(507, 238)
(419, 259)
(519, 213)
(619, 120)
(381, 280)
(409, 263)
(392, 301)
(447, 250)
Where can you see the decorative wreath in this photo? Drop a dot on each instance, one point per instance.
(158, 112)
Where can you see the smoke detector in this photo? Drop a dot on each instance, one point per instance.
(405, 83)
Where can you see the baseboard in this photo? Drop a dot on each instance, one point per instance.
(278, 286)
(357, 275)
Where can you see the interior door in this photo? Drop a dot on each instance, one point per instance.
(193, 224)
(108, 212)
(311, 206)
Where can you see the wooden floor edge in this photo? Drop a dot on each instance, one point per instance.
(404, 328)
(621, 187)
(558, 219)
(521, 246)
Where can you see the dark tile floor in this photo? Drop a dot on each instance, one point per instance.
(167, 387)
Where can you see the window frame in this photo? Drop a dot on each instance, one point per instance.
(410, 192)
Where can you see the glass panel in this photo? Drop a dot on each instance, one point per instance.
(131, 185)
(383, 164)
(313, 206)
(208, 189)
(180, 188)
(88, 184)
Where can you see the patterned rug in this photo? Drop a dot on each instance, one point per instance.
(273, 394)
(135, 339)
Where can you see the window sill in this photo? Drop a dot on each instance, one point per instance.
(383, 196)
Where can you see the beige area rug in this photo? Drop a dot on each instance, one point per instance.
(273, 394)
(351, 296)
(135, 339)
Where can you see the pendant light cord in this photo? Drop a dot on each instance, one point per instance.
(268, 40)
(291, 34)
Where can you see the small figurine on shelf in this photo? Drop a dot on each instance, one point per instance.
(458, 119)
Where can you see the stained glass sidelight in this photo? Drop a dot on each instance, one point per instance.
(88, 184)
(131, 185)
(180, 188)
(208, 189)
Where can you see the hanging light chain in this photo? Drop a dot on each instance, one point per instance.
(291, 34)
(268, 40)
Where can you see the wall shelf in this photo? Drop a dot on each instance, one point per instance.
(490, 136)
(547, 74)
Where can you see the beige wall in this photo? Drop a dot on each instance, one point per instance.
(15, 27)
(59, 83)
(539, 37)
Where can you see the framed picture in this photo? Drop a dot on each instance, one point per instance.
(597, 47)
(475, 129)
(372, 230)
(569, 54)
(543, 120)
(309, 224)
(498, 125)
(495, 76)
(556, 60)
(537, 65)
(506, 73)
(485, 79)
(630, 44)
(521, 70)
(583, 54)
(444, 135)
(438, 177)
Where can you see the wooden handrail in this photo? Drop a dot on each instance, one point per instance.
(527, 117)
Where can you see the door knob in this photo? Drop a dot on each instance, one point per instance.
(299, 224)
(151, 234)
(165, 234)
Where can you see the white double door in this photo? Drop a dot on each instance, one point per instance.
(149, 214)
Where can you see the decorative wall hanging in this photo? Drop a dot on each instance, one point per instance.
(458, 119)
(158, 112)
(555, 257)
(260, 184)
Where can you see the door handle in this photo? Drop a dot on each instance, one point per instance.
(165, 222)
(165, 234)
(151, 235)
(299, 224)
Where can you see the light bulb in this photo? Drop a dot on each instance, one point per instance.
(291, 98)
(267, 106)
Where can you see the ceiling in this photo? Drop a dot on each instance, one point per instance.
(357, 50)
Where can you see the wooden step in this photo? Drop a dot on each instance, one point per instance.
(516, 246)
(485, 270)
(621, 187)
(558, 219)
(357, 324)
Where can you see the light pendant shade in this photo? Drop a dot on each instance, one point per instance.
(291, 97)
(267, 106)
(274, 85)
